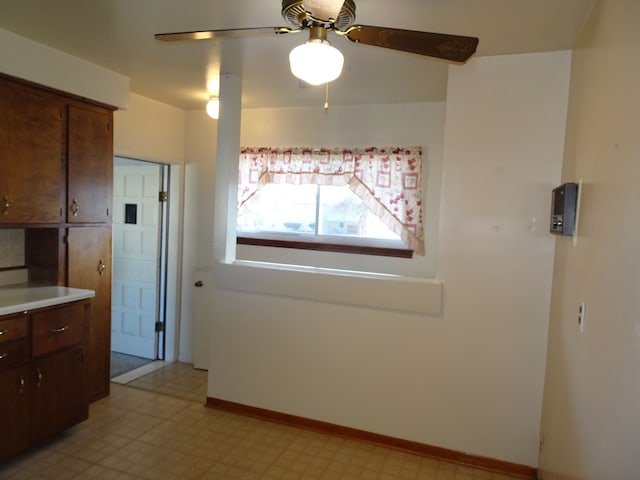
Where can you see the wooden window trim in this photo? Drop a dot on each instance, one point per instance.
(327, 247)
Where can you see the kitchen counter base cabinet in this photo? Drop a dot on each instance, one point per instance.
(57, 399)
(43, 382)
(14, 414)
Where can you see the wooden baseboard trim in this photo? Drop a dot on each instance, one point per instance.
(439, 453)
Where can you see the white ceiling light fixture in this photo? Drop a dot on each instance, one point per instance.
(213, 107)
(316, 61)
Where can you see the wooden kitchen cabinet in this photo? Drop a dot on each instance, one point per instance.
(42, 374)
(32, 149)
(14, 375)
(89, 266)
(58, 393)
(14, 414)
(89, 165)
(56, 182)
(90, 201)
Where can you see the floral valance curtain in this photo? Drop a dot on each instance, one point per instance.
(388, 180)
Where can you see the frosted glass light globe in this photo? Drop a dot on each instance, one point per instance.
(213, 107)
(316, 62)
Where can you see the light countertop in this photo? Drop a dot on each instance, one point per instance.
(20, 298)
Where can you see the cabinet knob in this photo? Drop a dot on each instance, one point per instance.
(20, 385)
(74, 207)
(3, 332)
(198, 283)
(38, 377)
(3, 356)
(101, 267)
(5, 205)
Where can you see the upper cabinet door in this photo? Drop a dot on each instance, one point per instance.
(32, 138)
(89, 165)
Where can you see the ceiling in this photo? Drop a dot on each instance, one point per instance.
(118, 34)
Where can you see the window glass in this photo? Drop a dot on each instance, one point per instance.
(310, 211)
(280, 208)
(341, 212)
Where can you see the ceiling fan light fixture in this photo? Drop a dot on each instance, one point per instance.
(324, 9)
(316, 62)
(213, 107)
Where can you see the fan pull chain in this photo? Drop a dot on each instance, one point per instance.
(326, 98)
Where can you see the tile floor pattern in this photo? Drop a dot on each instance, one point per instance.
(137, 434)
(175, 379)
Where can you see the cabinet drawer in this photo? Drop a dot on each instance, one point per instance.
(14, 353)
(58, 328)
(13, 328)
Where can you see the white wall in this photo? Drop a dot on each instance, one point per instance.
(503, 148)
(150, 130)
(591, 423)
(29, 60)
(470, 379)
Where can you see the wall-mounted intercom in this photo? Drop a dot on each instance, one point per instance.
(564, 201)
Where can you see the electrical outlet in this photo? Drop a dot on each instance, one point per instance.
(581, 315)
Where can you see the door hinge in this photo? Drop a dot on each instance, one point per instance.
(159, 327)
(163, 196)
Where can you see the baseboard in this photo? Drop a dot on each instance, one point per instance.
(439, 453)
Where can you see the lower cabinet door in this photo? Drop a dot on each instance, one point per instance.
(14, 415)
(89, 266)
(58, 393)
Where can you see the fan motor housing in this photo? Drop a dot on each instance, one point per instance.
(294, 13)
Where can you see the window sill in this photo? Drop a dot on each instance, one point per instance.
(390, 292)
(326, 247)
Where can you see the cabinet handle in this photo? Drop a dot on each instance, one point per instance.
(74, 207)
(101, 267)
(4, 332)
(38, 377)
(20, 385)
(5, 205)
(3, 356)
(59, 329)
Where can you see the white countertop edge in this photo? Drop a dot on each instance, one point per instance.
(21, 298)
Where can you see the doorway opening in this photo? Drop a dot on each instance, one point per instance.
(139, 269)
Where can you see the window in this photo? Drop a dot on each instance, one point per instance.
(306, 215)
(338, 200)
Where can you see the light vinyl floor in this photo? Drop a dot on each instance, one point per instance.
(139, 433)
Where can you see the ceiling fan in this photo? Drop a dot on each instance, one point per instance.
(316, 61)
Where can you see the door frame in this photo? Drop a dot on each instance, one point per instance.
(170, 257)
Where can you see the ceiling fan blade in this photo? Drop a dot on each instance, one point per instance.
(323, 9)
(224, 33)
(453, 48)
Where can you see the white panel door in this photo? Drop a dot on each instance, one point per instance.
(136, 255)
